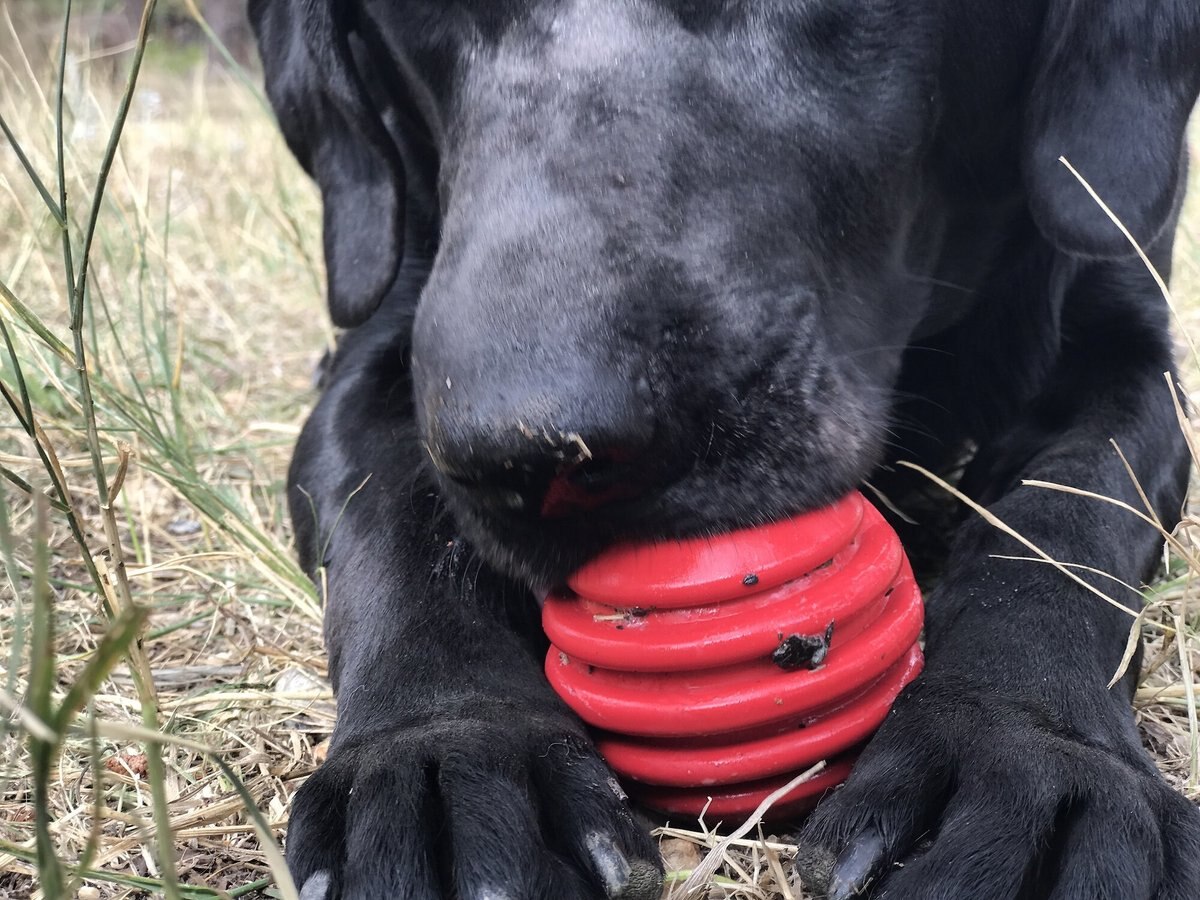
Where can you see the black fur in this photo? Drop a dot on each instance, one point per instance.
(633, 269)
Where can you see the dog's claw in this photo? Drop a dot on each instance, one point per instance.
(316, 887)
(623, 879)
(857, 867)
(611, 864)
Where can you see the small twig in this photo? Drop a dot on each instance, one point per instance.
(124, 452)
(1120, 504)
(702, 874)
(1188, 676)
(772, 855)
(995, 521)
(1133, 242)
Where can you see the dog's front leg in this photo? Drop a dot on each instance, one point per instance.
(454, 770)
(1010, 769)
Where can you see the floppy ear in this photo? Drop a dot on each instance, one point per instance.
(1113, 85)
(337, 135)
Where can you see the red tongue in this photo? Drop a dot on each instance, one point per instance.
(564, 497)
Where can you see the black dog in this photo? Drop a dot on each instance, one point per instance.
(634, 269)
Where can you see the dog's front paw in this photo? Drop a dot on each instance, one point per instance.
(966, 794)
(470, 810)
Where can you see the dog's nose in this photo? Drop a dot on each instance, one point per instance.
(595, 452)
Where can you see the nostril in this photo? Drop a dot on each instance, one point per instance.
(509, 463)
(598, 473)
(511, 485)
(552, 488)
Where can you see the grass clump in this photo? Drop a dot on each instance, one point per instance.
(154, 719)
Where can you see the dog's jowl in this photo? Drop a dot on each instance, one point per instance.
(749, 255)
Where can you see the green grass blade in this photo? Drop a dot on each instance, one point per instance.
(112, 648)
(31, 172)
(15, 651)
(60, 150)
(41, 689)
(35, 324)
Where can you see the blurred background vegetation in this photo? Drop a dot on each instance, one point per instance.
(107, 28)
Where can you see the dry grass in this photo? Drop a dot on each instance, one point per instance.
(205, 263)
(205, 323)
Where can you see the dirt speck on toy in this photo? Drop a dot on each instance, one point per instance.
(803, 651)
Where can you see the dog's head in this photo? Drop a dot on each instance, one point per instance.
(676, 247)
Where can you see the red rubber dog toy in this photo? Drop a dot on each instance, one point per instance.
(716, 669)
